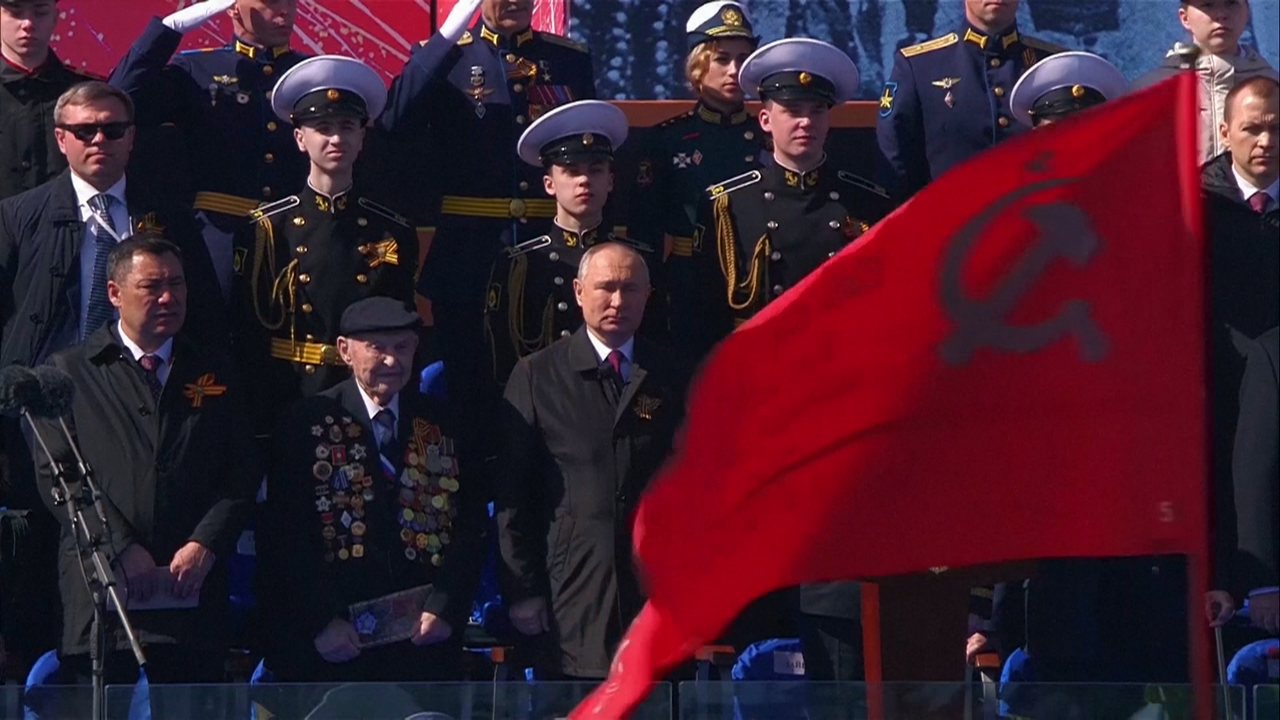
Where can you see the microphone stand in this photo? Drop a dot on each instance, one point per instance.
(102, 586)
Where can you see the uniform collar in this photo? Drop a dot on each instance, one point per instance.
(719, 118)
(996, 43)
(799, 180)
(495, 38)
(330, 203)
(10, 72)
(371, 406)
(255, 52)
(585, 237)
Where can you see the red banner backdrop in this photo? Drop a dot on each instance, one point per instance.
(94, 34)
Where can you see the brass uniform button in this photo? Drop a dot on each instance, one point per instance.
(553, 256)
(266, 192)
(777, 289)
(304, 278)
(517, 88)
(1004, 122)
(565, 333)
(524, 185)
(999, 91)
(311, 369)
(834, 224)
(750, 158)
(834, 195)
(310, 338)
(768, 194)
(306, 307)
(363, 222)
(267, 70)
(562, 306)
(362, 278)
(776, 256)
(271, 126)
(558, 281)
(520, 119)
(995, 62)
(772, 225)
(299, 221)
(511, 57)
(269, 158)
(301, 249)
(748, 135)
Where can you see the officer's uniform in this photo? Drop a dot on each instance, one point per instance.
(947, 100)
(303, 259)
(238, 154)
(29, 153)
(530, 301)
(686, 154)
(475, 104)
(355, 515)
(763, 231)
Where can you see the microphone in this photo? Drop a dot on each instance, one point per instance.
(19, 390)
(57, 391)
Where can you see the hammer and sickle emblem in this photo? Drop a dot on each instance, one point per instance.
(1064, 232)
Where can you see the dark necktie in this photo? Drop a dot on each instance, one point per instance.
(100, 310)
(1259, 202)
(384, 429)
(152, 363)
(614, 360)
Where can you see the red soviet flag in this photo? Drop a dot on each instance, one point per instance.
(1023, 340)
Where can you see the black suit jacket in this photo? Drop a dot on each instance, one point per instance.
(171, 472)
(307, 544)
(40, 237)
(1256, 467)
(576, 461)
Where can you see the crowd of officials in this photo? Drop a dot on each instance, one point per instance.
(221, 248)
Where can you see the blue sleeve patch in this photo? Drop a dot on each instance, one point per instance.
(886, 98)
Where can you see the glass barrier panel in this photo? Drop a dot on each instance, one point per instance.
(1266, 702)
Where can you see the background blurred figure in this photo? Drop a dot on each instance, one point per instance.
(1256, 469)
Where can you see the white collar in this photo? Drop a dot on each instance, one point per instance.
(371, 407)
(602, 350)
(164, 353)
(84, 190)
(822, 161)
(1247, 189)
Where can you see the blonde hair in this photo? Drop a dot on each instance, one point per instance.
(698, 62)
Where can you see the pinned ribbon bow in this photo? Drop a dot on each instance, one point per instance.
(204, 386)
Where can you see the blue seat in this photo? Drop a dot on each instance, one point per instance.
(40, 700)
(431, 380)
(1017, 669)
(777, 660)
(1257, 663)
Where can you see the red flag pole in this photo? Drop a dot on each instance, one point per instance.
(873, 667)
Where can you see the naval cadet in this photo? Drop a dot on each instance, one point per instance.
(237, 153)
(475, 93)
(303, 259)
(530, 301)
(947, 99)
(373, 527)
(717, 139)
(761, 232)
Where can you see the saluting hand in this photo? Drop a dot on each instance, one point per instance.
(338, 642)
(529, 616)
(193, 16)
(431, 629)
(190, 566)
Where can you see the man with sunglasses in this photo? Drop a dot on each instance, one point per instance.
(31, 79)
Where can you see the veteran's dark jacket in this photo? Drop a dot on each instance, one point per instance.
(178, 470)
(336, 531)
(576, 460)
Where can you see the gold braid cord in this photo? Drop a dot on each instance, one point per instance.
(522, 344)
(728, 247)
(280, 301)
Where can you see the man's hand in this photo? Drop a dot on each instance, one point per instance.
(138, 568)
(977, 644)
(338, 642)
(1218, 607)
(190, 566)
(530, 616)
(193, 16)
(431, 629)
(1264, 611)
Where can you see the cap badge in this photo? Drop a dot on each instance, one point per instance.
(805, 78)
(731, 17)
(333, 94)
(588, 138)
(1077, 91)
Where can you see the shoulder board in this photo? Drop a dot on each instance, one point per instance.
(1038, 44)
(529, 246)
(934, 44)
(632, 243)
(678, 118)
(197, 51)
(563, 41)
(265, 211)
(466, 39)
(865, 184)
(384, 211)
(734, 183)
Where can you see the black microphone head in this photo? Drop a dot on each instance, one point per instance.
(19, 388)
(56, 392)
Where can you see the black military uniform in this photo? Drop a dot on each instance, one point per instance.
(685, 155)
(352, 520)
(305, 258)
(29, 154)
(946, 100)
(530, 301)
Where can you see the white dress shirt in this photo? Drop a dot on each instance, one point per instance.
(165, 353)
(88, 246)
(602, 352)
(1247, 189)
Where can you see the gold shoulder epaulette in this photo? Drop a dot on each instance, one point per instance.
(673, 120)
(384, 211)
(529, 246)
(734, 183)
(865, 184)
(1038, 44)
(639, 245)
(265, 211)
(564, 42)
(466, 39)
(928, 45)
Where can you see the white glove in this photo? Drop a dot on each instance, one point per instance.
(459, 18)
(193, 16)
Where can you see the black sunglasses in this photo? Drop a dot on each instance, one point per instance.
(86, 132)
